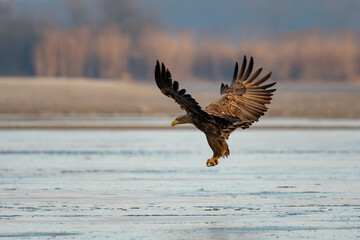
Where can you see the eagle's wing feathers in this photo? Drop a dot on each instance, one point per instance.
(171, 89)
(244, 101)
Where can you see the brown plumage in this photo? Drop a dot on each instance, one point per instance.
(241, 104)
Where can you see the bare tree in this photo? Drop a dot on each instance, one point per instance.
(113, 53)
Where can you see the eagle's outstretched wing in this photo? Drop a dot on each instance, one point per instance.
(244, 100)
(171, 89)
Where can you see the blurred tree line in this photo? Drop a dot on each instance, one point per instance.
(116, 39)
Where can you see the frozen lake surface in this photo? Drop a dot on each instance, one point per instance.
(153, 184)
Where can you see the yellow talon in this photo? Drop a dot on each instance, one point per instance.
(212, 162)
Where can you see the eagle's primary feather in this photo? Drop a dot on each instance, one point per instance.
(241, 104)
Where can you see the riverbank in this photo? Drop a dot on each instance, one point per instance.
(65, 97)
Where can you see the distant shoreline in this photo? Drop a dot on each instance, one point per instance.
(73, 96)
(79, 127)
(156, 122)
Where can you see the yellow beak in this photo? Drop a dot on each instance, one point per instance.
(174, 123)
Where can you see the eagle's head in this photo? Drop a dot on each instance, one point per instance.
(181, 120)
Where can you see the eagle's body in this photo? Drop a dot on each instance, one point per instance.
(241, 104)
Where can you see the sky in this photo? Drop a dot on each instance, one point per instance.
(234, 16)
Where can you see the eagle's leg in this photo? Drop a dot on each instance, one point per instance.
(219, 147)
(212, 162)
